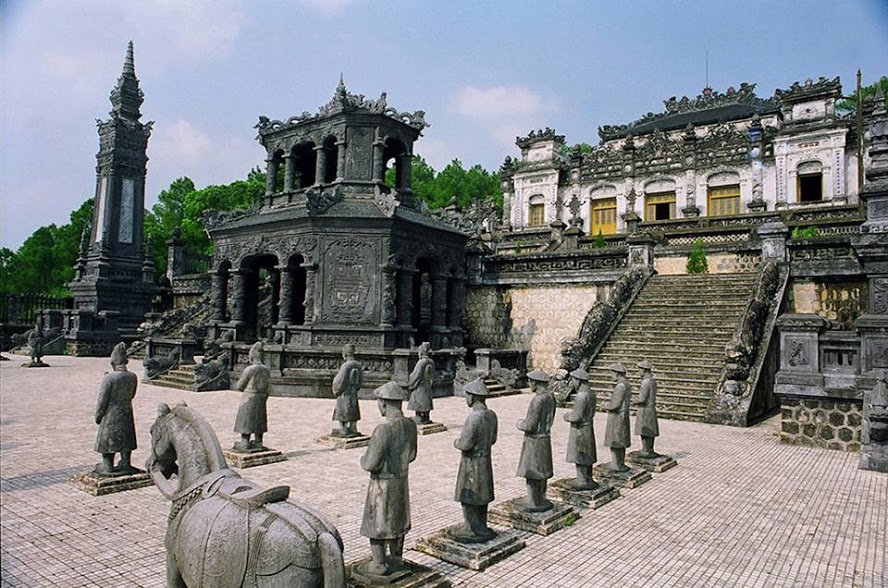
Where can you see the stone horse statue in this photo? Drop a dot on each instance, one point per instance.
(226, 531)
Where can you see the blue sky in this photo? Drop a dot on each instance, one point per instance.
(483, 72)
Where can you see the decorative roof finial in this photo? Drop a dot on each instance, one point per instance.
(129, 66)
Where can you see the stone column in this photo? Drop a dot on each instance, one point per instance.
(378, 162)
(756, 148)
(641, 250)
(340, 160)
(439, 302)
(388, 296)
(238, 294)
(271, 169)
(773, 237)
(285, 304)
(308, 302)
(405, 165)
(320, 165)
(289, 172)
(220, 296)
(404, 300)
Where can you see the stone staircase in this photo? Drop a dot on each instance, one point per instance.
(681, 325)
(180, 377)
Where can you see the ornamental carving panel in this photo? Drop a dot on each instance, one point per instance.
(359, 154)
(350, 281)
(879, 296)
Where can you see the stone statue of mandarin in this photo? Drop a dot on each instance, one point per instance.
(646, 418)
(616, 435)
(252, 418)
(114, 415)
(535, 464)
(581, 439)
(387, 508)
(474, 483)
(346, 385)
(420, 385)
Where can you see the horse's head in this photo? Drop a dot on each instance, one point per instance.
(161, 462)
(183, 449)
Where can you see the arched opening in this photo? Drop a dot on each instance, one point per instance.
(276, 171)
(258, 295)
(810, 182)
(292, 296)
(394, 155)
(331, 151)
(536, 211)
(304, 163)
(422, 300)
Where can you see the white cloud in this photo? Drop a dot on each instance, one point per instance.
(328, 7)
(504, 111)
(181, 141)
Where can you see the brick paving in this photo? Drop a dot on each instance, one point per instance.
(739, 510)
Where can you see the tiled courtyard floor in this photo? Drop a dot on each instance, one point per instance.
(739, 510)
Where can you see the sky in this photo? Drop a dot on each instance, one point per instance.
(483, 71)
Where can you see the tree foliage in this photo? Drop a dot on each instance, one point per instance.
(439, 189)
(697, 263)
(44, 264)
(849, 105)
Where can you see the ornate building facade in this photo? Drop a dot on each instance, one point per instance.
(720, 154)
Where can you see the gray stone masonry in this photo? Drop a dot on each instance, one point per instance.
(741, 509)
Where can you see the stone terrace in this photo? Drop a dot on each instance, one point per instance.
(739, 510)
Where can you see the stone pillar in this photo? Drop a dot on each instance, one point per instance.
(271, 169)
(289, 173)
(405, 166)
(320, 165)
(175, 255)
(773, 237)
(641, 250)
(756, 149)
(404, 300)
(389, 287)
(689, 149)
(308, 303)
(340, 161)
(239, 294)
(439, 302)
(220, 296)
(285, 304)
(378, 162)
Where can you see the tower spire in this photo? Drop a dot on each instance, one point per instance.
(126, 97)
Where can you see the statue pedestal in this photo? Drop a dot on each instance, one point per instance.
(249, 459)
(34, 364)
(412, 575)
(512, 514)
(631, 478)
(563, 491)
(430, 428)
(93, 483)
(344, 442)
(874, 456)
(657, 464)
(474, 556)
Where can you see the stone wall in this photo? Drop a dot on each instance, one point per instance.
(533, 318)
(717, 263)
(825, 423)
(838, 301)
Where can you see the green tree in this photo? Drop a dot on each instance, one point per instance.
(438, 189)
(849, 105)
(697, 263)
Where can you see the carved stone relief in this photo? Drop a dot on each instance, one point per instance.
(350, 280)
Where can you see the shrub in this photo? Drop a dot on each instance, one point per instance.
(697, 263)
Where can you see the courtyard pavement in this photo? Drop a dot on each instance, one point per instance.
(739, 510)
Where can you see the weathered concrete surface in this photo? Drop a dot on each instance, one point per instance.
(741, 509)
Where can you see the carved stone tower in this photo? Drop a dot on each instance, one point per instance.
(113, 279)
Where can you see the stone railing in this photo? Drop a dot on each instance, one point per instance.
(818, 381)
(553, 267)
(602, 319)
(744, 390)
(24, 308)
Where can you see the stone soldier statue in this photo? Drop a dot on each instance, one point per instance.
(474, 483)
(114, 415)
(252, 418)
(387, 508)
(646, 418)
(346, 385)
(35, 345)
(535, 464)
(581, 439)
(616, 435)
(420, 385)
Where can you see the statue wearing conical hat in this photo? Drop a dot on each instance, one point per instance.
(346, 384)
(581, 439)
(646, 418)
(252, 418)
(114, 415)
(387, 508)
(616, 435)
(535, 463)
(474, 482)
(420, 385)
